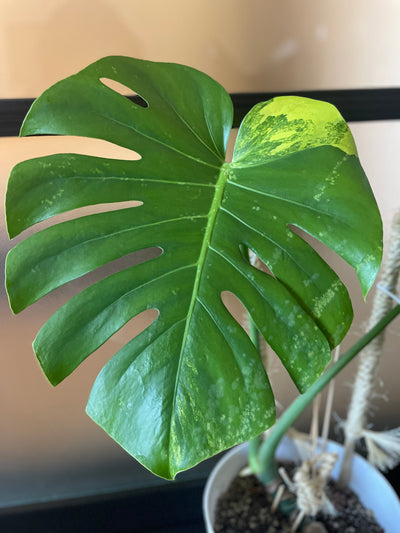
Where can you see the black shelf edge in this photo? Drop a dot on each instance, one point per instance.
(12, 114)
(168, 508)
(354, 104)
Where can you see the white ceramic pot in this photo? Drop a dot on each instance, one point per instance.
(370, 485)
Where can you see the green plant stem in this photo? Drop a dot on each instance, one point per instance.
(268, 471)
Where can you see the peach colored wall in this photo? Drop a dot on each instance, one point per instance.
(247, 45)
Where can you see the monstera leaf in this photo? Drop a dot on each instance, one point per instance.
(192, 383)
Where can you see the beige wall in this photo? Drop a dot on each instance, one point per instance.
(247, 45)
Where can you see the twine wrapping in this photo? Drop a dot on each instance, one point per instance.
(310, 481)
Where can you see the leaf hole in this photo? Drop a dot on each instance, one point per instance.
(254, 260)
(239, 312)
(49, 303)
(128, 331)
(45, 145)
(76, 213)
(347, 275)
(235, 308)
(94, 363)
(112, 267)
(124, 91)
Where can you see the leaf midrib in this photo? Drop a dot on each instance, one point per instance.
(214, 208)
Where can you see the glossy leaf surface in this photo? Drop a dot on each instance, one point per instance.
(191, 384)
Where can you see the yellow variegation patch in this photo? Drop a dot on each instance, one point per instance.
(285, 125)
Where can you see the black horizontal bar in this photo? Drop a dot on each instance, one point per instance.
(12, 113)
(173, 508)
(354, 104)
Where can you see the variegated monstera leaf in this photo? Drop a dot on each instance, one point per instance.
(191, 384)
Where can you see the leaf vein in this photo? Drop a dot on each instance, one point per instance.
(158, 141)
(280, 198)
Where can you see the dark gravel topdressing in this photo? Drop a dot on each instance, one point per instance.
(245, 508)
